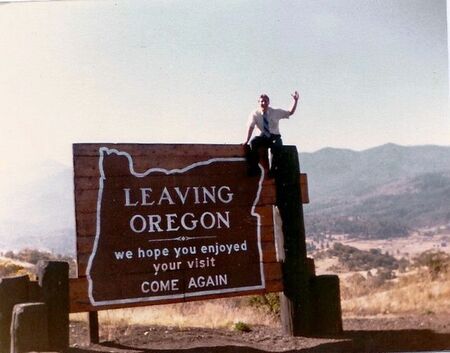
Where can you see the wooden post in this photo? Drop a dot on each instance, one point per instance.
(29, 328)
(327, 305)
(93, 327)
(13, 290)
(54, 281)
(296, 303)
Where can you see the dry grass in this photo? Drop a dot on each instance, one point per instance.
(10, 267)
(220, 313)
(416, 293)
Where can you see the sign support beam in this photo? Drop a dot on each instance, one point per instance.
(93, 327)
(296, 299)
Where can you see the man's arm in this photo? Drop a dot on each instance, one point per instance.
(249, 133)
(295, 96)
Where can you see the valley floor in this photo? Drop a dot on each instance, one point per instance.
(402, 247)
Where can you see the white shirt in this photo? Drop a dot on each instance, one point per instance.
(273, 116)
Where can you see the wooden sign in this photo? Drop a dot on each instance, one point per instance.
(168, 223)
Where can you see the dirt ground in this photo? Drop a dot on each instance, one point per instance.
(377, 334)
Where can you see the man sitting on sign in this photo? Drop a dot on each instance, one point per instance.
(266, 119)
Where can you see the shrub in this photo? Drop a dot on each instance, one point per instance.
(269, 302)
(242, 326)
(437, 262)
(360, 260)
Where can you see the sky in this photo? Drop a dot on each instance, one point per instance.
(369, 72)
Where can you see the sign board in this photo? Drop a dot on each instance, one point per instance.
(169, 223)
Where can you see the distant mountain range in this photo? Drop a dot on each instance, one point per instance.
(382, 192)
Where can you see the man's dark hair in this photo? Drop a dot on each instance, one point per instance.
(265, 97)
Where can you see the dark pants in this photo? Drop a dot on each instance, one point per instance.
(273, 142)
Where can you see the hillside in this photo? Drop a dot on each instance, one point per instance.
(382, 192)
(335, 173)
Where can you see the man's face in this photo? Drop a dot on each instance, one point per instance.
(264, 104)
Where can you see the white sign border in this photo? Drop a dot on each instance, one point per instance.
(108, 151)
